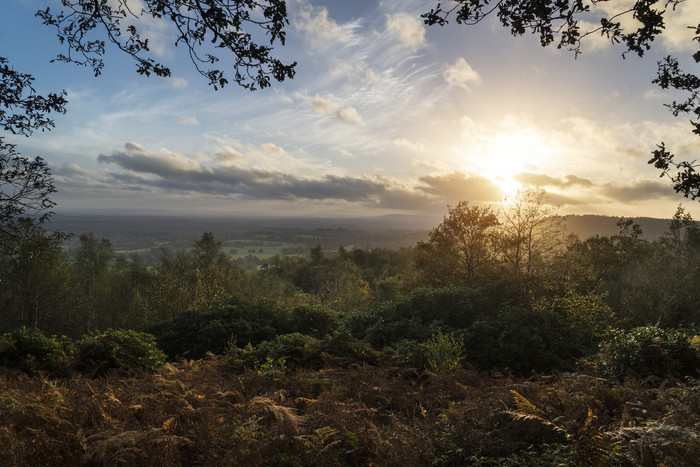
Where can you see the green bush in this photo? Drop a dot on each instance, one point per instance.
(194, 333)
(649, 351)
(418, 315)
(127, 350)
(408, 353)
(345, 346)
(445, 352)
(313, 320)
(29, 349)
(296, 349)
(523, 340)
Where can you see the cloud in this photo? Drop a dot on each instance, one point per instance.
(458, 186)
(409, 29)
(539, 180)
(271, 148)
(229, 177)
(349, 115)
(319, 29)
(638, 191)
(179, 83)
(654, 94)
(329, 106)
(370, 74)
(403, 142)
(344, 152)
(594, 42)
(164, 163)
(681, 23)
(157, 31)
(227, 155)
(188, 121)
(559, 200)
(461, 74)
(282, 96)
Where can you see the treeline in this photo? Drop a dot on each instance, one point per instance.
(505, 290)
(71, 292)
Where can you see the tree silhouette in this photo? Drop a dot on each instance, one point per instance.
(25, 183)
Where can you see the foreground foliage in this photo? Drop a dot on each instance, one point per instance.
(95, 354)
(202, 413)
(128, 350)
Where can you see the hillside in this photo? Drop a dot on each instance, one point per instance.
(590, 225)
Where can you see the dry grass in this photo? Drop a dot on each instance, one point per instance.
(201, 413)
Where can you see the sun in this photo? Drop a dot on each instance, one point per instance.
(507, 155)
(502, 156)
(508, 186)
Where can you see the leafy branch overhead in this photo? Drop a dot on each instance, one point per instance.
(22, 110)
(566, 23)
(25, 184)
(210, 30)
(25, 189)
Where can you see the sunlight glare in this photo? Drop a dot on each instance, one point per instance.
(508, 185)
(507, 155)
(501, 155)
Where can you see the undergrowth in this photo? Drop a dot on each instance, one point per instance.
(202, 413)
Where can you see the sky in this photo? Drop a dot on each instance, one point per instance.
(384, 116)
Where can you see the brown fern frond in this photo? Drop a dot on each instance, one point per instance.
(524, 405)
(265, 406)
(134, 447)
(593, 447)
(540, 422)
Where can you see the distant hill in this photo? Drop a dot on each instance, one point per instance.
(591, 225)
(142, 233)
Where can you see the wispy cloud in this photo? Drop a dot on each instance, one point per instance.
(330, 106)
(318, 28)
(404, 143)
(188, 121)
(179, 83)
(409, 30)
(461, 74)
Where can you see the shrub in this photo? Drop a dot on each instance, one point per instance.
(194, 333)
(344, 345)
(298, 349)
(649, 351)
(418, 315)
(123, 349)
(588, 311)
(522, 340)
(408, 353)
(272, 369)
(295, 349)
(313, 320)
(444, 352)
(29, 349)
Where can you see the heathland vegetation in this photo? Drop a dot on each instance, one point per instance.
(498, 340)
